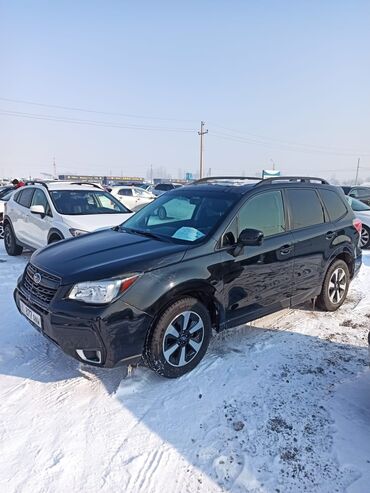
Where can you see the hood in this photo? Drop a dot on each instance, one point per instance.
(105, 254)
(92, 222)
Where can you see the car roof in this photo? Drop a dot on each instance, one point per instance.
(63, 185)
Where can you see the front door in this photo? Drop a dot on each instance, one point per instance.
(39, 225)
(258, 280)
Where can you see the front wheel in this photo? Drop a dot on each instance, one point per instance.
(179, 339)
(335, 286)
(10, 241)
(365, 237)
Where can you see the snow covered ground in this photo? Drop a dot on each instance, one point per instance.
(280, 406)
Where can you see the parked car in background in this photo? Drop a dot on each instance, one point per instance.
(3, 200)
(134, 198)
(362, 212)
(361, 193)
(42, 213)
(161, 188)
(217, 256)
(4, 190)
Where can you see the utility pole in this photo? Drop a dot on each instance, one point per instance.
(357, 170)
(54, 167)
(201, 133)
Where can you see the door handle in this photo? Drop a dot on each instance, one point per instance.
(330, 235)
(286, 249)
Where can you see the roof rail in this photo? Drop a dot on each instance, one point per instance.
(216, 178)
(86, 183)
(37, 182)
(300, 179)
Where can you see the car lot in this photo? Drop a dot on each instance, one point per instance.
(282, 404)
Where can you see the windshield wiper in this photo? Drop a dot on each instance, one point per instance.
(142, 232)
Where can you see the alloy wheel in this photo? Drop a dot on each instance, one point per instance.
(1, 231)
(364, 239)
(337, 285)
(183, 339)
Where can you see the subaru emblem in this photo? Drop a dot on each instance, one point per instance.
(37, 278)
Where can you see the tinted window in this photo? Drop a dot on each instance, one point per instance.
(334, 204)
(125, 191)
(25, 197)
(305, 207)
(264, 212)
(164, 186)
(39, 198)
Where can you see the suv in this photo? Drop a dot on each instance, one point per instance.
(42, 213)
(208, 255)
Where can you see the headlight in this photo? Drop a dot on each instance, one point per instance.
(101, 291)
(77, 232)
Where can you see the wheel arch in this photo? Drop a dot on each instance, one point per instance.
(345, 254)
(54, 232)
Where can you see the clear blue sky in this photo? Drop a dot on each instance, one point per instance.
(270, 72)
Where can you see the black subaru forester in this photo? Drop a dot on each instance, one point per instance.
(214, 254)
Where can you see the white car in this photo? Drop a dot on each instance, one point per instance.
(42, 213)
(132, 197)
(362, 212)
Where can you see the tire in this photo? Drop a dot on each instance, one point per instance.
(172, 349)
(10, 241)
(54, 239)
(365, 237)
(335, 286)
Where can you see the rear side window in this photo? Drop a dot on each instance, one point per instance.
(25, 197)
(264, 212)
(334, 204)
(306, 208)
(125, 191)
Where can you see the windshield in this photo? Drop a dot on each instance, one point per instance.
(188, 216)
(357, 205)
(83, 202)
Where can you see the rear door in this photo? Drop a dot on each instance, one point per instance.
(313, 236)
(20, 214)
(125, 195)
(38, 225)
(258, 280)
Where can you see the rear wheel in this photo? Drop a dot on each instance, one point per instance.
(365, 237)
(10, 241)
(335, 286)
(179, 339)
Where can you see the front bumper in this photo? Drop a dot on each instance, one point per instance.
(115, 332)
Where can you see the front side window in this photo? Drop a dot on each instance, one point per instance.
(306, 208)
(39, 198)
(264, 212)
(363, 193)
(187, 216)
(86, 202)
(25, 197)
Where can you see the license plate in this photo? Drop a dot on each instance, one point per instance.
(30, 314)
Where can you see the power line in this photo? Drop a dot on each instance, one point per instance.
(261, 139)
(93, 122)
(282, 146)
(86, 110)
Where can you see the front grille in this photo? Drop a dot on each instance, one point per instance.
(42, 291)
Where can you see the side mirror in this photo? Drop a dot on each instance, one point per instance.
(250, 237)
(38, 209)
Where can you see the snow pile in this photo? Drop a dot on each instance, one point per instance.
(280, 406)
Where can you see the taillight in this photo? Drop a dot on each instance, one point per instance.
(358, 225)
